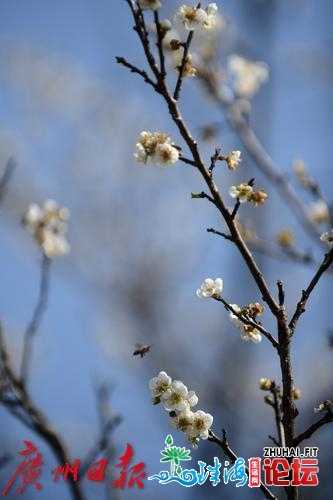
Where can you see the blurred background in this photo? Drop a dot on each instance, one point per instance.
(70, 116)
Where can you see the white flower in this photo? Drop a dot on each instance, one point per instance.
(242, 192)
(319, 212)
(165, 155)
(201, 424)
(328, 237)
(211, 11)
(247, 76)
(210, 288)
(160, 384)
(233, 316)
(47, 226)
(233, 159)
(33, 217)
(178, 398)
(54, 245)
(250, 334)
(183, 421)
(150, 4)
(191, 17)
(156, 147)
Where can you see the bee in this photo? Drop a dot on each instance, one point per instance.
(141, 350)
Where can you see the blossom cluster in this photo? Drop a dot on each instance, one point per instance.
(244, 192)
(47, 225)
(178, 401)
(156, 147)
(247, 76)
(193, 17)
(249, 333)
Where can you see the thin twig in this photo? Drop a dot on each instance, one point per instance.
(182, 66)
(36, 319)
(223, 443)
(300, 308)
(6, 177)
(248, 321)
(134, 69)
(219, 233)
(326, 419)
(278, 419)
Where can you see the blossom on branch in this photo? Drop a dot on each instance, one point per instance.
(48, 228)
(210, 288)
(193, 17)
(156, 147)
(178, 401)
(242, 192)
(233, 159)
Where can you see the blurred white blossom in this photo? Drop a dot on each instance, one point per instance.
(247, 76)
(210, 288)
(150, 4)
(319, 212)
(328, 236)
(48, 228)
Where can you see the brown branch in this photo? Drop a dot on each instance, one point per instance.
(35, 322)
(300, 308)
(326, 419)
(277, 412)
(219, 233)
(223, 443)
(134, 69)
(182, 66)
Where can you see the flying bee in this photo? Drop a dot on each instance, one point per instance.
(141, 350)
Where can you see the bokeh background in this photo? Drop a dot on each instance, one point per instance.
(70, 116)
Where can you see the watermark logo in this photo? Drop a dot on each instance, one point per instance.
(292, 471)
(190, 477)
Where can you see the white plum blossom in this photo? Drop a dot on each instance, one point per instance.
(210, 288)
(165, 155)
(327, 237)
(47, 225)
(242, 192)
(319, 212)
(233, 159)
(250, 334)
(160, 384)
(178, 398)
(178, 401)
(183, 421)
(201, 424)
(247, 76)
(150, 4)
(156, 147)
(193, 17)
